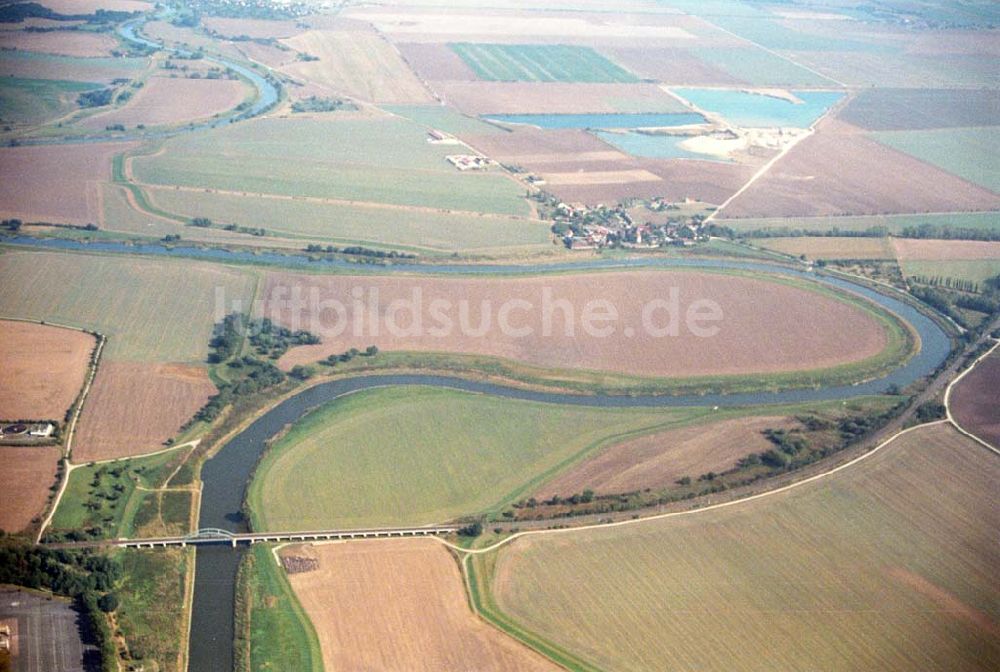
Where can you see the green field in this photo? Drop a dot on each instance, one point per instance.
(977, 270)
(271, 624)
(419, 231)
(890, 223)
(969, 153)
(760, 68)
(539, 63)
(152, 613)
(123, 298)
(886, 565)
(34, 65)
(110, 500)
(35, 101)
(375, 160)
(410, 456)
(443, 118)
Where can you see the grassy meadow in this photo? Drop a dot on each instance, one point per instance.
(153, 606)
(375, 160)
(888, 565)
(115, 496)
(276, 632)
(421, 231)
(36, 101)
(539, 63)
(123, 298)
(410, 456)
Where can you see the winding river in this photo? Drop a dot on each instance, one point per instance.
(226, 475)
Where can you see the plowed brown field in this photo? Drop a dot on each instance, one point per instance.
(27, 475)
(133, 408)
(908, 249)
(172, 101)
(28, 192)
(65, 43)
(839, 171)
(399, 605)
(44, 368)
(766, 326)
(975, 400)
(658, 460)
(555, 97)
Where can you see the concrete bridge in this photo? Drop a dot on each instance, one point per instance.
(210, 536)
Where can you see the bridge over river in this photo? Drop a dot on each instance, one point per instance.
(214, 536)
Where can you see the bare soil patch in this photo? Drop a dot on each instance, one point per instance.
(44, 368)
(29, 192)
(134, 407)
(919, 109)
(658, 460)
(766, 326)
(28, 474)
(63, 42)
(530, 147)
(671, 66)
(164, 100)
(945, 250)
(974, 401)
(839, 171)
(436, 62)
(554, 97)
(400, 605)
(616, 177)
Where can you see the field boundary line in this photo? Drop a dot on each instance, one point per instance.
(711, 507)
(773, 52)
(947, 399)
(68, 451)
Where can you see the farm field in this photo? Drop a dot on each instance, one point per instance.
(479, 98)
(438, 454)
(398, 605)
(91, 6)
(44, 369)
(173, 101)
(967, 152)
(32, 65)
(657, 460)
(884, 565)
(902, 70)
(28, 192)
(672, 65)
(973, 400)
(36, 101)
(29, 474)
(889, 223)
(442, 118)
(427, 232)
(123, 299)
(64, 43)
(357, 64)
(908, 249)
(539, 63)
(787, 328)
(159, 398)
(922, 109)
(976, 270)
(850, 247)
(152, 615)
(829, 174)
(756, 67)
(379, 160)
(252, 28)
